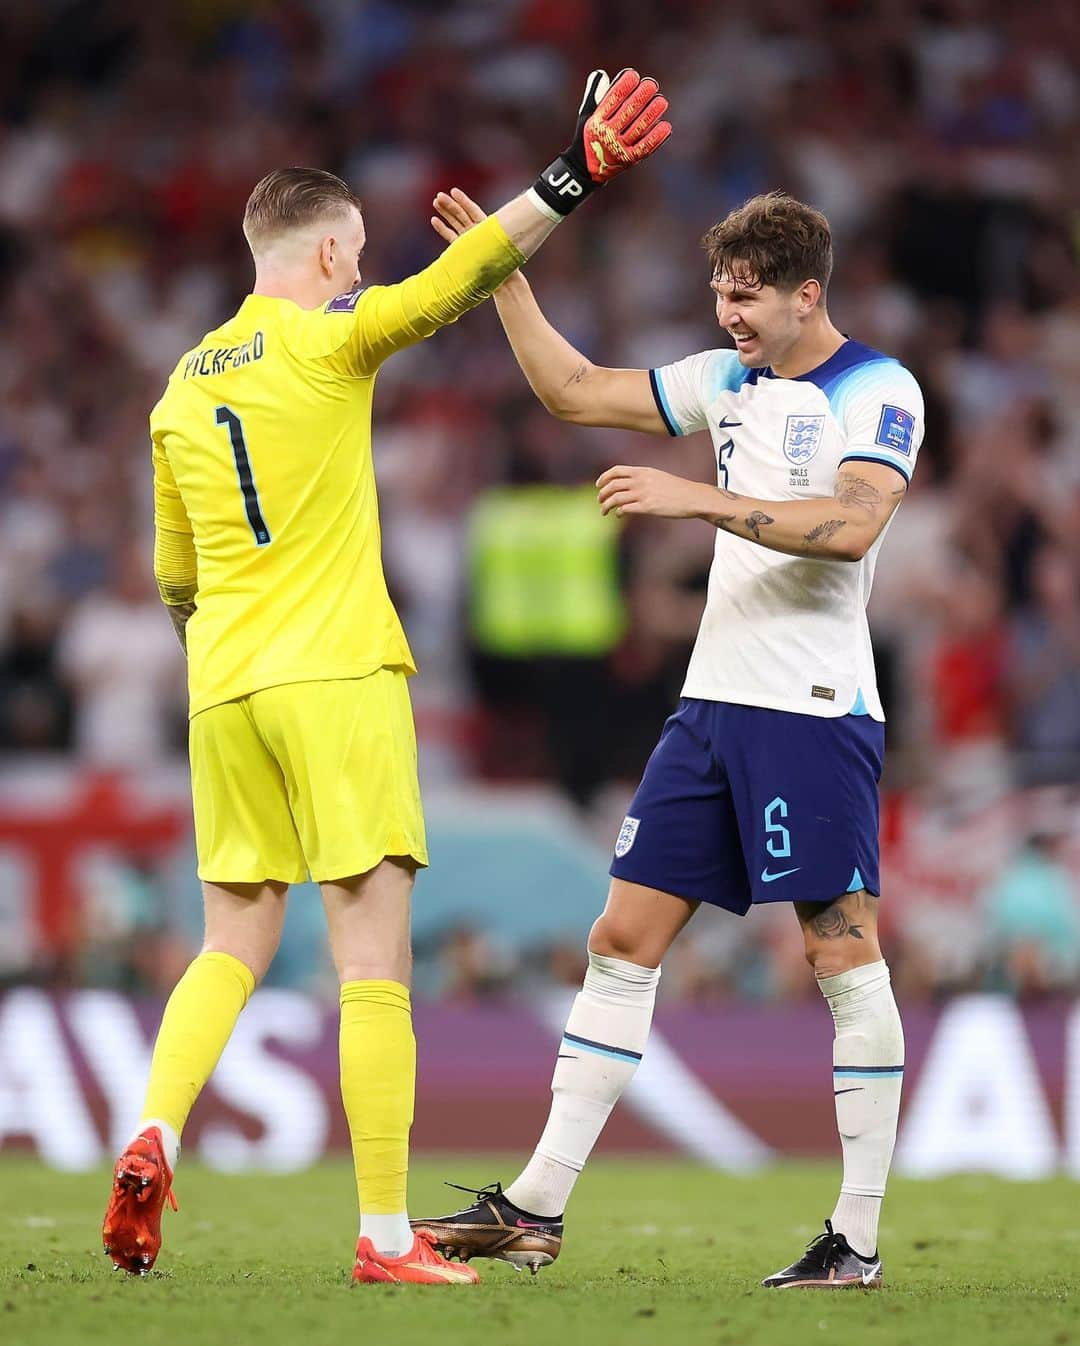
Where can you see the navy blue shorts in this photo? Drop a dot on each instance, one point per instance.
(740, 804)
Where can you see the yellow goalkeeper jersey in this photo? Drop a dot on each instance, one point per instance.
(264, 489)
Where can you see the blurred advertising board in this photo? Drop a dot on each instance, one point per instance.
(991, 1086)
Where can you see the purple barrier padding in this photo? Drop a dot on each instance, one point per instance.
(485, 1069)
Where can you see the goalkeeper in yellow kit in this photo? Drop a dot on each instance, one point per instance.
(303, 754)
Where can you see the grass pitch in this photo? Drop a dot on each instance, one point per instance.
(657, 1253)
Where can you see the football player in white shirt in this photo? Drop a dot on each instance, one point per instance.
(764, 785)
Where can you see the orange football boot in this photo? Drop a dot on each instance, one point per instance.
(142, 1183)
(421, 1265)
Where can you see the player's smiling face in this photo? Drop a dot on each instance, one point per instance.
(763, 320)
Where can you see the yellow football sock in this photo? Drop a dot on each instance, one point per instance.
(378, 1082)
(201, 1014)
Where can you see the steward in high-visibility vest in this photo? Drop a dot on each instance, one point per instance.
(544, 574)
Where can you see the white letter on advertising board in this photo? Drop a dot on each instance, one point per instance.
(108, 1033)
(979, 1105)
(1072, 1092)
(39, 1092)
(286, 1102)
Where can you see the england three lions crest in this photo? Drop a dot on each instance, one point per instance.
(802, 438)
(627, 833)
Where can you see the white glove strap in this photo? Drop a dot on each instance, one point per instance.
(543, 207)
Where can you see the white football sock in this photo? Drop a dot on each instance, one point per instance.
(169, 1139)
(868, 1072)
(389, 1234)
(600, 1050)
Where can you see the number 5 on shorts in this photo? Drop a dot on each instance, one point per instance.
(779, 848)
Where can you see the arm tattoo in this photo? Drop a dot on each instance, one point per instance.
(824, 531)
(722, 520)
(181, 614)
(579, 375)
(755, 521)
(852, 490)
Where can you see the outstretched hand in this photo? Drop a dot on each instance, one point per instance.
(626, 126)
(455, 214)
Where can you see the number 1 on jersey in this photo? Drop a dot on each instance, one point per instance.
(226, 416)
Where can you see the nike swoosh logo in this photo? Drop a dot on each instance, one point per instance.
(566, 1056)
(766, 877)
(869, 1274)
(857, 1090)
(531, 1224)
(724, 424)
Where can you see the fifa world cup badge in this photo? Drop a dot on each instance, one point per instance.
(802, 438)
(626, 836)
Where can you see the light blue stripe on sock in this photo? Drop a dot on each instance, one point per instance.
(601, 1051)
(861, 1072)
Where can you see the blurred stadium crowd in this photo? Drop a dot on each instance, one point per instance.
(941, 138)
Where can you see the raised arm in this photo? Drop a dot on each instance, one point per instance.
(570, 386)
(384, 319)
(619, 124)
(840, 527)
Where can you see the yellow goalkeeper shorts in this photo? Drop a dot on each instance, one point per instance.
(308, 777)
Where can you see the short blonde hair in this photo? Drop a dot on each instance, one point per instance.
(290, 198)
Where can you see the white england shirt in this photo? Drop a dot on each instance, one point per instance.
(781, 631)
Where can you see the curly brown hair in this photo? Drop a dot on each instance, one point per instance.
(772, 240)
(289, 198)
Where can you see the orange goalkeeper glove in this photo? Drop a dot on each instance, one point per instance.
(618, 125)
